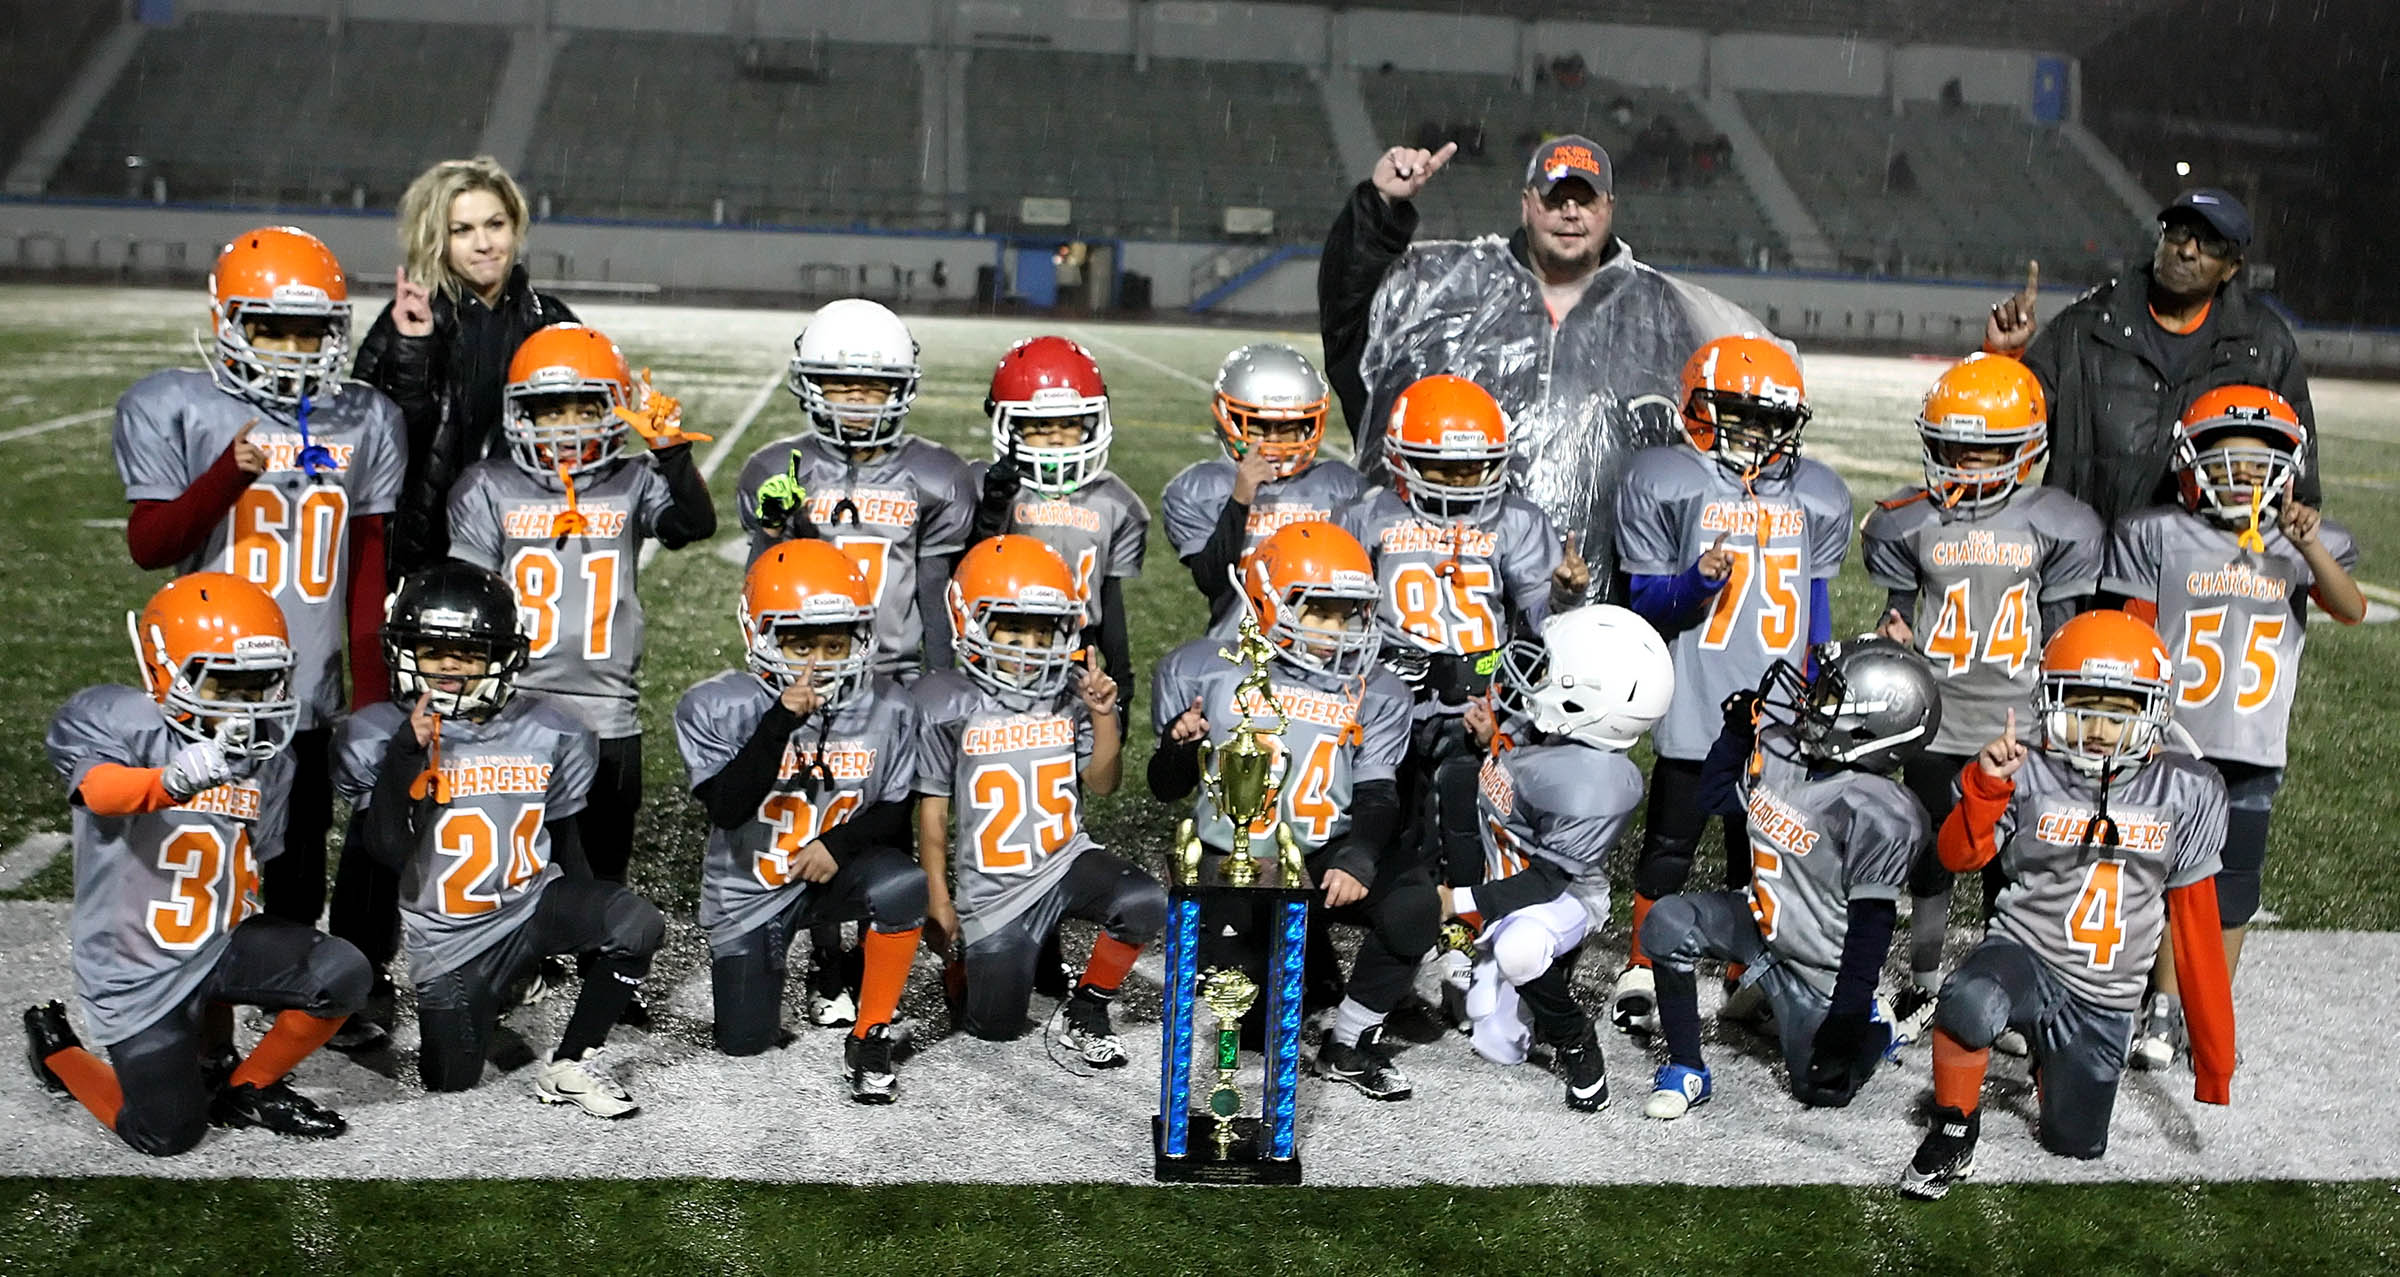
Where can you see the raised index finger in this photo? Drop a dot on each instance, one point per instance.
(1440, 158)
(2033, 279)
(1720, 545)
(2012, 726)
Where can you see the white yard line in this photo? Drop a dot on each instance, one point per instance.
(55, 423)
(29, 857)
(724, 444)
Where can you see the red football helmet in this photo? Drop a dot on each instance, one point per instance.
(1050, 379)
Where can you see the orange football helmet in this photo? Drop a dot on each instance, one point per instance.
(1269, 399)
(1314, 562)
(2116, 653)
(807, 584)
(562, 360)
(217, 658)
(2235, 484)
(1987, 401)
(1447, 421)
(1744, 404)
(1016, 577)
(279, 270)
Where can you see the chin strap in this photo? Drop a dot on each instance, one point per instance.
(570, 521)
(431, 781)
(2251, 538)
(2102, 828)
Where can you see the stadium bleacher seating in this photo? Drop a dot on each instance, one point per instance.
(1670, 207)
(41, 44)
(246, 109)
(1990, 188)
(650, 126)
(1149, 153)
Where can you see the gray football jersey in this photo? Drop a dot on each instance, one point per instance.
(1342, 733)
(288, 534)
(2234, 620)
(1016, 790)
(1565, 803)
(1818, 841)
(1194, 498)
(1671, 507)
(1981, 577)
(2095, 916)
(911, 504)
(156, 893)
(482, 862)
(576, 595)
(1452, 587)
(1101, 529)
(868, 756)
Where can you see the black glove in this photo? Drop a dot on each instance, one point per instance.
(1741, 711)
(1838, 1062)
(998, 499)
(1409, 663)
(1454, 680)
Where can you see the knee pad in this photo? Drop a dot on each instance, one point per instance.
(1141, 910)
(181, 1137)
(343, 978)
(1665, 864)
(1667, 931)
(1973, 1008)
(1409, 922)
(635, 926)
(2245, 859)
(896, 894)
(1523, 949)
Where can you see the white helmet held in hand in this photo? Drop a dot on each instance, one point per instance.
(855, 340)
(1602, 677)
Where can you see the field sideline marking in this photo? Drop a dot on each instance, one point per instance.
(724, 444)
(55, 423)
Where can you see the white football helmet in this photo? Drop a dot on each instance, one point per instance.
(855, 339)
(1603, 677)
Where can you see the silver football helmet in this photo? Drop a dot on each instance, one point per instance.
(1873, 704)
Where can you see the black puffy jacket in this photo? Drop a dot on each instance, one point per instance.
(2113, 411)
(448, 385)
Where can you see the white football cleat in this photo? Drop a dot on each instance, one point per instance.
(2161, 1035)
(585, 1083)
(2011, 1042)
(1633, 1008)
(1912, 1017)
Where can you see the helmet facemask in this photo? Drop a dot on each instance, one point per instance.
(1054, 469)
(836, 680)
(1749, 436)
(2081, 710)
(1957, 485)
(583, 434)
(241, 699)
(477, 694)
(1022, 650)
(1307, 642)
(1287, 437)
(2236, 476)
(281, 378)
(1452, 497)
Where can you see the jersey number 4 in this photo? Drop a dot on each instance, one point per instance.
(2096, 925)
(279, 542)
(2007, 643)
(1776, 576)
(215, 887)
(2204, 647)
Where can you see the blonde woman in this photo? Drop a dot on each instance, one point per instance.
(441, 348)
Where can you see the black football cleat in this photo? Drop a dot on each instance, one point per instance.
(1946, 1157)
(1586, 1072)
(276, 1107)
(46, 1034)
(872, 1076)
(1367, 1066)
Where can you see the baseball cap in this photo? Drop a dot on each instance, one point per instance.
(1560, 158)
(2223, 213)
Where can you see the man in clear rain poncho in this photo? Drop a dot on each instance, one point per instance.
(1581, 344)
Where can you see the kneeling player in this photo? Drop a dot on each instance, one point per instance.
(469, 793)
(803, 762)
(1011, 739)
(177, 796)
(2102, 840)
(1313, 592)
(1552, 807)
(1832, 837)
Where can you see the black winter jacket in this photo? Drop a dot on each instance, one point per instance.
(2113, 411)
(448, 385)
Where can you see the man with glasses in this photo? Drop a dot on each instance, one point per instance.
(1581, 345)
(2123, 361)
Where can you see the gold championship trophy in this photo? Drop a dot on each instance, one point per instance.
(1243, 781)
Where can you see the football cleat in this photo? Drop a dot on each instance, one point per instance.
(371, 1028)
(1458, 976)
(276, 1107)
(1089, 1032)
(217, 1065)
(1676, 1090)
(1946, 1157)
(46, 1034)
(635, 1015)
(1748, 1006)
(1912, 1018)
(869, 1059)
(2161, 1036)
(833, 990)
(1367, 1066)
(550, 975)
(1586, 1072)
(585, 1083)
(1634, 1006)
(2011, 1042)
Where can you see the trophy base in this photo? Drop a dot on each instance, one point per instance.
(1246, 1164)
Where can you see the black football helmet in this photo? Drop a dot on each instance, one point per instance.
(454, 605)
